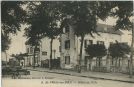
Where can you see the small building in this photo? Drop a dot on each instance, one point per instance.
(44, 51)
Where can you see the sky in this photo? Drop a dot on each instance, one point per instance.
(18, 41)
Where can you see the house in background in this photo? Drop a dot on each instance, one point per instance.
(70, 45)
(45, 50)
(29, 50)
(43, 53)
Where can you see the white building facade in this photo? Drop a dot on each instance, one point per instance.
(43, 52)
(70, 45)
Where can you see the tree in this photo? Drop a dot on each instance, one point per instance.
(84, 16)
(32, 32)
(12, 15)
(34, 42)
(96, 50)
(36, 28)
(44, 23)
(19, 57)
(5, 41)
(53, 30)
(118, 50)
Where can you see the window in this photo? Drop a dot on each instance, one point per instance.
(90, 42)
(80, 40)
(59, 48)
(111, 43)
(67, 59)
(44, 53)
(67, 44)
(100, 42)
(87, 42)
(66, 29)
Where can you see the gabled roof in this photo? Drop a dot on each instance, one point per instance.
(107, 29)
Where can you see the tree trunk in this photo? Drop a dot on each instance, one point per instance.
(115, 66)
(96, 62)
(107, 62)
(99, 61)
(91, 63)
(50, 61)
(80, 58)
(6, 57)
(116, 62)
(100, 64)
(112, 61)
(24, 63)
(119, 62)
(34, 57)
(131, 56)
(28, 61)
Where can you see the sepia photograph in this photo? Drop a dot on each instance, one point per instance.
(72, 43)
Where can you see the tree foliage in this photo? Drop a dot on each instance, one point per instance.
(12, 15)
(123, 11)
(84, 16)
(118, 50)
(43, 21)
(19, 56)
(96, 50)
(5, 41)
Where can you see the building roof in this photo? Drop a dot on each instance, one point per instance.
(104, 28)
(107, 29)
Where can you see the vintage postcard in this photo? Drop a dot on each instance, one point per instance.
(67, 43)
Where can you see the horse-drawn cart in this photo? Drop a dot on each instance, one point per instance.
(14, 72)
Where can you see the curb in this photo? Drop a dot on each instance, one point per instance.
(84, 76)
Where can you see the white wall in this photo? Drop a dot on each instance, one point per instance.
(126, 37)
(4, 55)
(45, 46)
(68, 52)
(75, 45)
(106, 37)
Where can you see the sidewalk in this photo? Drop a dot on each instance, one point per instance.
(96, 75)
